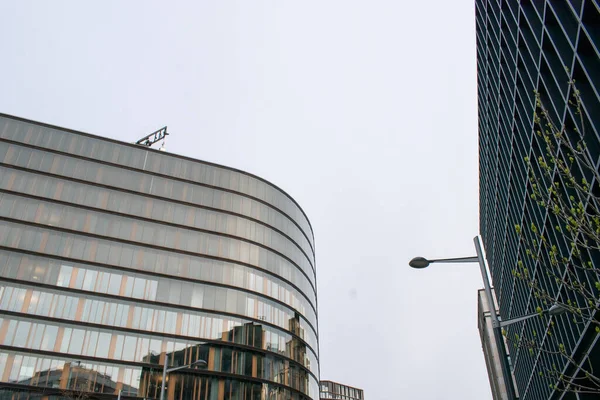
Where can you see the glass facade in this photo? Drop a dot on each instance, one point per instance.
(523, 48)
(116, 259)
(337, 391)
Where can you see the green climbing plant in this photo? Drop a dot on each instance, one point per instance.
(559, 258)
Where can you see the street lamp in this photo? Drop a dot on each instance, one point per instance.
(166, 371)
(556, 309)
(420, 263)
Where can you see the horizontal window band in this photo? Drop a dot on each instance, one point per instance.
(168, 177)
(154, 197)
(149, 303)
(142, 245)
(218, 343)
(146, 273)
(125, 144)
(157, 367)
(17, 388)
(205, 256)
(159, 222)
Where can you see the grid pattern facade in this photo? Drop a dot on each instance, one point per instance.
(116, 258)
(334, 390)
(523, 47)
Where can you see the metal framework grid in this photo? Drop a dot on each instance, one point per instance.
(524, 46)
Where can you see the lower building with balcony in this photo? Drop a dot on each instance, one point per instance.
(337, 391)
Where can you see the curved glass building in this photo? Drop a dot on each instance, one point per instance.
(116, 259)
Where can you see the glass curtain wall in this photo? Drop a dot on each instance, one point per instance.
(116, 259)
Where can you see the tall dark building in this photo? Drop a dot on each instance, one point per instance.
(116, 258)
(523, 48)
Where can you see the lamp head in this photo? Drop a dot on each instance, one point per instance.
(199, 363)
(419, 262)
(557, 309)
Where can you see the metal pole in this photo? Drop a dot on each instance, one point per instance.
(510, 390)
(162, 383)
(119, 397)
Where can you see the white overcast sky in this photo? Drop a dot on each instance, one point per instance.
(364, 111)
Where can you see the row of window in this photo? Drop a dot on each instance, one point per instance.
(158, 261)
(140, 158)
(333, 390)
(99, 377)
(176, 292)
(152, 208)
(101, 251)
(124, 314)
(100, 343)
(140, 286)
(165, 290)
(140, 182)
(290, 323)
(144, 232)
(335, 396)
(208, 297)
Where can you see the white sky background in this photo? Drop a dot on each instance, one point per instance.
(364, 111)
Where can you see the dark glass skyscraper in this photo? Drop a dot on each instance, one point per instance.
(524, 47)
(116, 258)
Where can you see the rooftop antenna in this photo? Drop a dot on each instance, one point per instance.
(154, 137)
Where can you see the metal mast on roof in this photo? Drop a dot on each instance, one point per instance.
(154, 137)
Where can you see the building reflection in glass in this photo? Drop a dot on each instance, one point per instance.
(145, 381)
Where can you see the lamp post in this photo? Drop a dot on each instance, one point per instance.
(166, 371)
(420, 262)
(556, 309)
